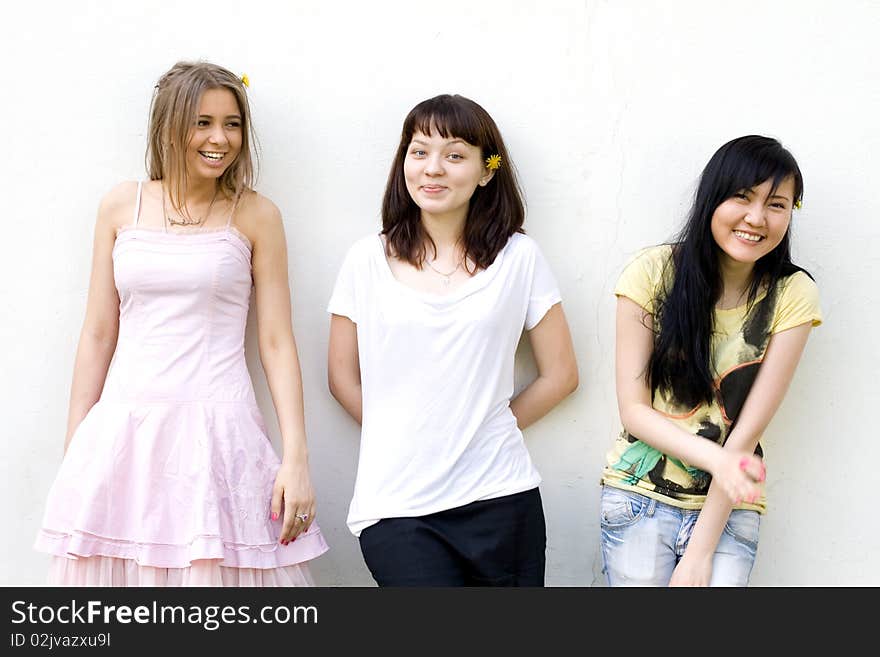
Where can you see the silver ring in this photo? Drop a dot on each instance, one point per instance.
(302, 516)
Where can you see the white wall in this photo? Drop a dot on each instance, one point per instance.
(610, 110)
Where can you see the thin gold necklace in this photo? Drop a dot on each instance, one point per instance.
(185, 221)
(446, 276)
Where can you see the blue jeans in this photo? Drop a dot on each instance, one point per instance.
(643, 540)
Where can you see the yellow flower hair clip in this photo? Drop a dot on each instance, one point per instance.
(798, 204)
(493, 162)
(245, 80)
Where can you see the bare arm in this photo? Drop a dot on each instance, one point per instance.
(557, 376)
(278, 355)
(634, 344)
(100, 329)
(343, 366)
(774, 376)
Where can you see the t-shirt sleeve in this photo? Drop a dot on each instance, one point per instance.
(544, 292)
(798, 303)
(641, 277)
(343, 300)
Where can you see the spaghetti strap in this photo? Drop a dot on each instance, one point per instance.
(137, 204)
(232, 213)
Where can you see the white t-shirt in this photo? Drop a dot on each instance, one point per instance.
(436, 378)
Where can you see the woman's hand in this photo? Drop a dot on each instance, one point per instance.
(740, 475)
(692, 570)
(294, 500)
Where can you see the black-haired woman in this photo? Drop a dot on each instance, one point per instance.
(710, 329)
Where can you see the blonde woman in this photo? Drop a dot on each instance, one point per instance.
(169, 478)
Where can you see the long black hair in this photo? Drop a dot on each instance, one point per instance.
(684, 314)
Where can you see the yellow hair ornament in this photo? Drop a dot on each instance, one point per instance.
(245, 80)
(493, 162)
(798, 204)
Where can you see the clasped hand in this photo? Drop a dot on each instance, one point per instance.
(740, 475)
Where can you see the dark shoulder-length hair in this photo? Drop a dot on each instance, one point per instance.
(684, 313)
(495, 212)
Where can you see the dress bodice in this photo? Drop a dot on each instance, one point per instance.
(183, 305)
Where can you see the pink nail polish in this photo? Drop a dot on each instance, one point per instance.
(274, 516)
(743, 462)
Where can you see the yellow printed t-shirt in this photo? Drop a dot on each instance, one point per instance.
(739, 341)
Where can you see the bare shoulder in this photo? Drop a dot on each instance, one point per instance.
(257, 216)
(117, 206)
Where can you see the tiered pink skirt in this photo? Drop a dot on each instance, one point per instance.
(113, 571)
(162, 494)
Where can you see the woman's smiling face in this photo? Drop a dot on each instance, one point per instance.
(442, 173)
(216, 136)
(752, 222)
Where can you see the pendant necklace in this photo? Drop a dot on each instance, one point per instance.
(446, 276)
(185, 221)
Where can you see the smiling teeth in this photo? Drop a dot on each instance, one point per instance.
(212, 156)
(748, 236)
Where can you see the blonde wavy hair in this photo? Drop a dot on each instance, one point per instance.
(173, 112)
